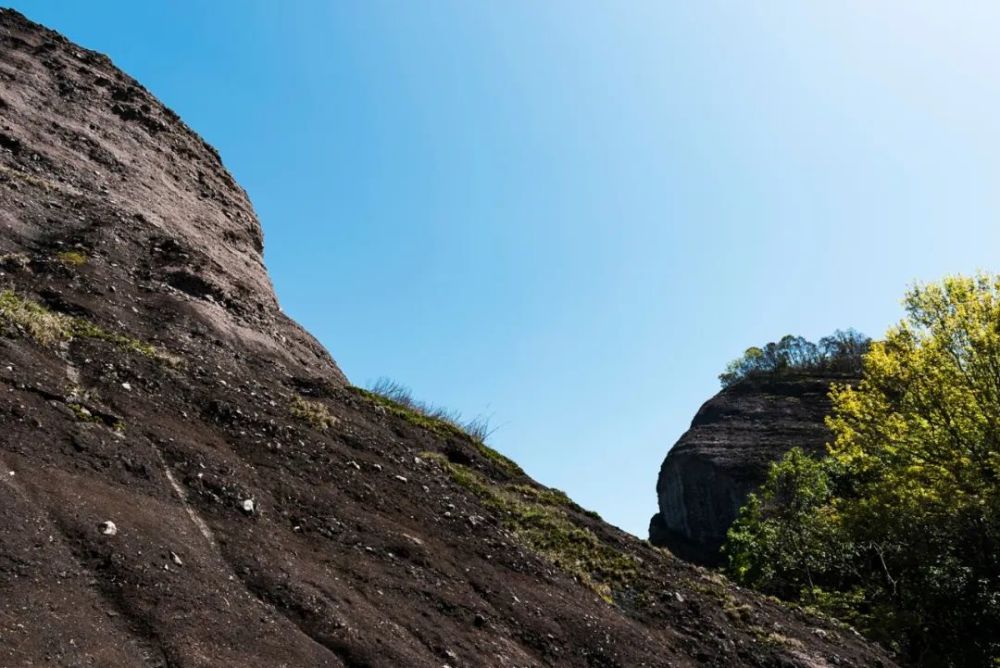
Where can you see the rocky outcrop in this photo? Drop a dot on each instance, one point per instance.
(94, 165)
(707, 476)
(187, 479)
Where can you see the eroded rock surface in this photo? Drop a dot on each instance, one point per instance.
(264, 512)
(707, 476)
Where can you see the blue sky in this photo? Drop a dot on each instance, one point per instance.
(570, 215)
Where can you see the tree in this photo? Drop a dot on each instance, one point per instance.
(787, 535)
(909, 498)
(846, 345)
(841, 351)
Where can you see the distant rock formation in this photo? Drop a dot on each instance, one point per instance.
(707, 476)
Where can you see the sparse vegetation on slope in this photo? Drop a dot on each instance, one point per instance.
(538, 518)
(399, 400)
(30, 318)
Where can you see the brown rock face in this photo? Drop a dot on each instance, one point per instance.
(707, 476)
(118, 175)
(187, 479)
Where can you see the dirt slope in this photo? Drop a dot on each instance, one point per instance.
(187, 479)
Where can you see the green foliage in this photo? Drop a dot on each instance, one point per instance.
(788, 530)
(312, 412)
(841, 351)
(897, 530)
(538, 518)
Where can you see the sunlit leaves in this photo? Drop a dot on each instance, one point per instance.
(898, 528)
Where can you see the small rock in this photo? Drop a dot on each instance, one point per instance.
(400, 478)
(677, 595)
(248, 506)
(108, 528)
(127, 386)
(176, 559)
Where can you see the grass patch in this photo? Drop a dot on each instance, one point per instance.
(398, 400)
(553, 497)
(538, 519)
(72, 258)
(438, 425)
(48, 328)
(312, 412)
(779, 640)
(549, 497)
(506, 464)
(38, 181)
(34, 320)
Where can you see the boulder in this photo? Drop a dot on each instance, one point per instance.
(725, 455)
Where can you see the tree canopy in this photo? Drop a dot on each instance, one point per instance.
(897, 529)
(841, 351)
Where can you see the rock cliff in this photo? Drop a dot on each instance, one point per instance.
(707, 476)
(187, 479)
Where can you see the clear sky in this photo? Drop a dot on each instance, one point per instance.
(570, 215)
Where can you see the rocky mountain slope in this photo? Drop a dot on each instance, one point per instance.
(707, 476)
(187, 479)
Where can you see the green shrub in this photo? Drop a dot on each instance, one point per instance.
(897, 529)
